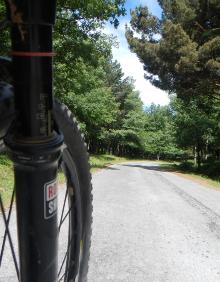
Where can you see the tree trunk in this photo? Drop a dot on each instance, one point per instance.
(198, 156)
(206, 150)
(195, 155)
(118, 150)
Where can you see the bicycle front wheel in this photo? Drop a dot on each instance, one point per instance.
(74, 209)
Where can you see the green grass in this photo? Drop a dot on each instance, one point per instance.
(6, 178)
(187, 169)
(100, 161)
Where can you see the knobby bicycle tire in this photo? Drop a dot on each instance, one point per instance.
(76, 157)
(75, 163)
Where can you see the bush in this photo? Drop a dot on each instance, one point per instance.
(186, 166)
(211, 169)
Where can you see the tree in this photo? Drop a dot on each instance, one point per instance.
(160, 131)
(133, 123)
(80, 77)
(125, 135)
(194, 129)
(78, 28)
(180, 52)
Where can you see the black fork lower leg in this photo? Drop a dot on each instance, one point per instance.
(36, 203)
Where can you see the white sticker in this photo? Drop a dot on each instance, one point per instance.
(50, 199)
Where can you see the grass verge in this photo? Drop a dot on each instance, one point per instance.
(6, 178)
(101, 161)
(191, 173)
(98, 162)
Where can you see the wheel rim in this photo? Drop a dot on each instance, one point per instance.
(74, 219)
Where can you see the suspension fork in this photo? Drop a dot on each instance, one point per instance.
(33, 143)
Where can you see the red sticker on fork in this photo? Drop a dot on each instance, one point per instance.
(50, 199)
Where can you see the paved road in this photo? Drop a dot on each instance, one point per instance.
(149, 226)
(153, 226)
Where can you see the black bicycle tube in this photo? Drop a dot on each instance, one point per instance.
(34, 146)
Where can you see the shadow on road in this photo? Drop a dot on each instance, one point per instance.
(104, 167)
(111, 168)
(161, 168)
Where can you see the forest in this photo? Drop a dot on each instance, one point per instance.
(180, 53)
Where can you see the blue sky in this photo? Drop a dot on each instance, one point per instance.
(151, 4)
(129, 61)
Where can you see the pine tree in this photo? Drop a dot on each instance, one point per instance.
(181, 51)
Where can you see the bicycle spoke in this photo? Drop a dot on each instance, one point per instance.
(9, 237)
(62, 277)
(65, 273)
(65, 217)
(69, 267)
(5, 234)
(64, 259)
(61, 218)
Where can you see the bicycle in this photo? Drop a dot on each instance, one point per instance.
(42, 136)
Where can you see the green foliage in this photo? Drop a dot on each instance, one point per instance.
(4, 33)
(144, 22)
(193, 125)
(181, 52)
(91, 12)
(98, 107)
(197, 129)
(78, 27)
(186, 166)
(103, 101)
(211, 169)
(160, 129)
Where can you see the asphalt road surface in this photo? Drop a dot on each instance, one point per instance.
(154, 226)
(149, 226)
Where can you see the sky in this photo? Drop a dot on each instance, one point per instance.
(130, 64)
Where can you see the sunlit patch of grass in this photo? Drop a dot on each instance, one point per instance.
(6, 179)
(191, 173)
(61, 177)
(100, 161)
